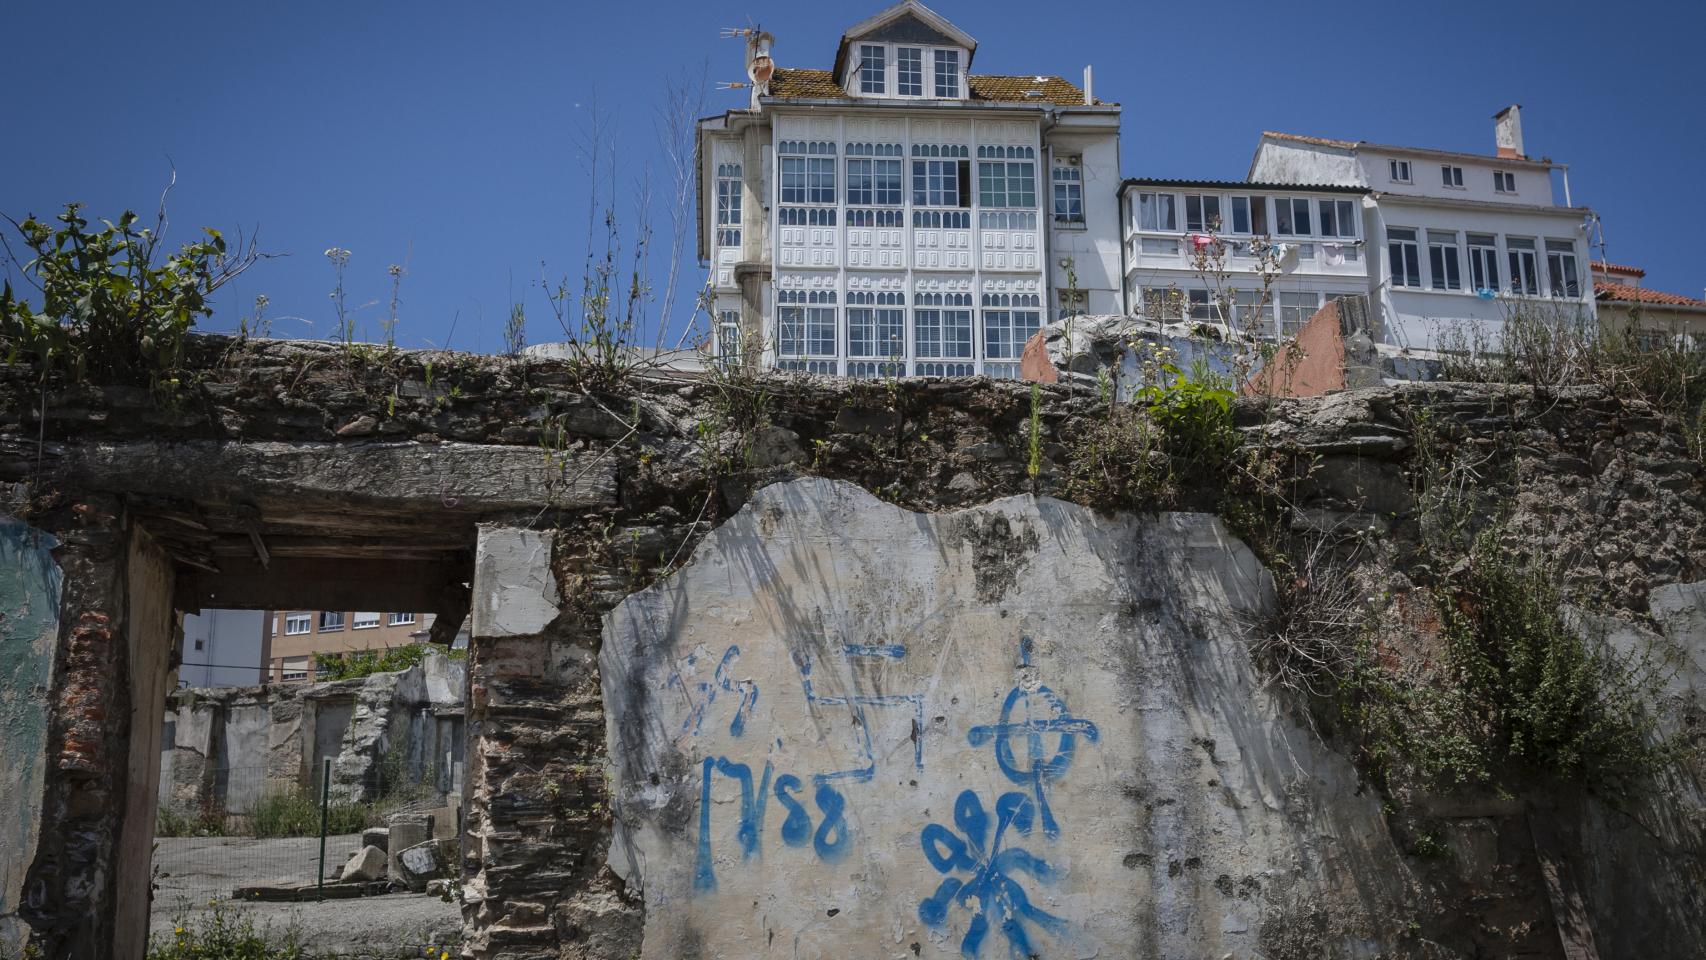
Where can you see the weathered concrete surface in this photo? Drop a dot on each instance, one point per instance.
(846, 729)
(516, 592)
(29, 631)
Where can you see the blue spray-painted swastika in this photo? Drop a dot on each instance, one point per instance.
(867, 769)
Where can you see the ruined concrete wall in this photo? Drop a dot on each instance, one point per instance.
(29, 631)
(1017, 730)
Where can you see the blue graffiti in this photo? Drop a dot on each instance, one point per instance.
(1044, 714)
(830, 841)
(867, 769)
(991, 890)
(720, 682)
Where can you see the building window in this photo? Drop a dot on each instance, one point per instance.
(1005, 332)
(1295, 309)
(1007, 182)
(297, 624)
(808, 180)
(909, 71)
(1254, 314)
(728, 204)
(940, 332)
(1483, 261)
(1451, 176)
(873, 183)
(1525, 277)
(399, 619)
(1163, 304)
(1203, 306)
(1157, 211)
(1399, 169)
(365, 621)
(330, 622)
(1250, 215)
(871, 69)
(876, 325)
(1202, 213)
(293, 668)
(728, 336)
(1068, 177)
(1338, 218)
(806, 331)
(1442, 260)
(1403, 258)
(941, 183)
(947, 74)
(1291, 217)
(1504, 181)
(1561, 268)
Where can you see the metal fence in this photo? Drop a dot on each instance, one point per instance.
(255, 837)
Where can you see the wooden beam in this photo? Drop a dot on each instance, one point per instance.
(297, 583)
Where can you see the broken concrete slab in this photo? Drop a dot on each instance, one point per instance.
(423, 863)
(367, 864)
(376, 837)
(405, 831)
(515, 591)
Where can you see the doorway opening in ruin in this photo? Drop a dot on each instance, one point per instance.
(310, 734)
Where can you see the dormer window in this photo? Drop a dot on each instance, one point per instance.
(909, 71)
(948, 74)
(872, 68)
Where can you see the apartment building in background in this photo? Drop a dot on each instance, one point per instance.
(297, 635)
(899, 214)
(1270, 253)
(1460, 239)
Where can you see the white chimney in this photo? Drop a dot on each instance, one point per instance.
(1089, 94)
(1507, 132)
(759, 67)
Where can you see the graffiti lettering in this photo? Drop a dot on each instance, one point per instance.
(721, 682)
(830, 841)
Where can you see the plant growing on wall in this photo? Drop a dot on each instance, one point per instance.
(111, 305)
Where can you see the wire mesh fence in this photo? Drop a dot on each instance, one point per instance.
(246, 833)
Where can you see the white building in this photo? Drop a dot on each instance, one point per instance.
(224, 648)
(898, 214)
(1466, 237)
(1267, 252)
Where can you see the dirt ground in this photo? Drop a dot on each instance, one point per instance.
(191, 871)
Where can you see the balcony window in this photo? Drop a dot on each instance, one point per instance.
(1157, 211)
(1006, 182)
(1403, 258)
(1291, 217)
(1561, 269)
(1295, 309)
(1255, 313)
(940, 331)
(1442, 260)
(728, 336)
(1202, 213)
(1204, 308)
(1005, 331)
(1525, 273)
(330, 621)
(871, 68)
(1338, 218)
(728, 204)
(876, 325)
(1483, 261)
(365, 621)
(941, 182)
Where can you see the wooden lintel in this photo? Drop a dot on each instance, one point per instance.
(324, 583)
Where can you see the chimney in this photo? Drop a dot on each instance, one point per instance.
(1089, 94)
(759, 67)
(1507, 132)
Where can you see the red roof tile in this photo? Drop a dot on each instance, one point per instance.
(1628, 271)
(1610, 290)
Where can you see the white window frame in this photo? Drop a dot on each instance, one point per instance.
(901, 76)
(1295, 204)
(728, 336)
(1406, 249)
(873, 83)
(1245, 304)
(1483, 260)
(1007, 329)
(1006, 184)
(364, 620)
(1205, 221)
(1149, 208)
(728, 204)
(950, 78)
(1556, 261)
(1504, 181)
(298, 624)
(1399, 171)
(1451, 176)
(1445, 265)
(1344, 217)
(1523, 264)
(399, 619)
(1066, 181)
(1293, 311)
(331, 621)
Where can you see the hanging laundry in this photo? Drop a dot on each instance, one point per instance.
(1332, 254)
(1200, 241)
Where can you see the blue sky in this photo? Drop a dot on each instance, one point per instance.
(443, 136)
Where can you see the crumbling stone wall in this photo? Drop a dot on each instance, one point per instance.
(585, 496)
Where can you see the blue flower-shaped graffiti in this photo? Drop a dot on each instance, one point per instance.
(991, 890)
(1043, 714)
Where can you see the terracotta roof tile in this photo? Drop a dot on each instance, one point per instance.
(1604, 267)
(796, 84)
(1609, 290)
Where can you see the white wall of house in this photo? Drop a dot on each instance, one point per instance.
(222, 648)
(1091, 248)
